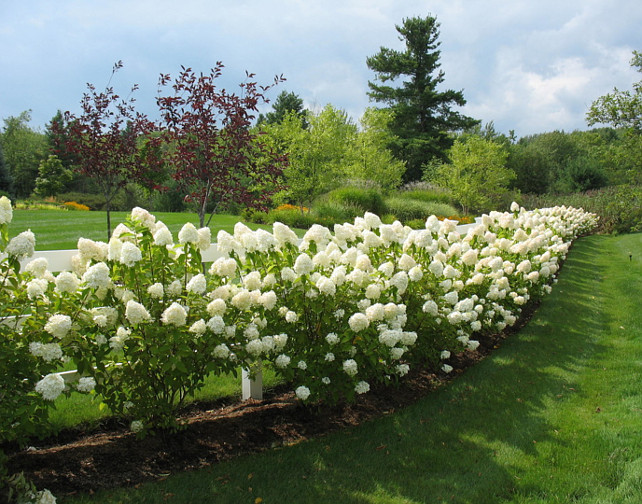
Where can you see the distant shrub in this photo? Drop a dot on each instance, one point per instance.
(407, 209)
(288, 206)
(253, 215)
(368, 200)
(337, 213)
(72, 205)
(93, 201)
(292, 218)
(427, 195)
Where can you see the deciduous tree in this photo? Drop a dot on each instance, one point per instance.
(208, 142)
(105, 138)
(476, 174)
(620, 108)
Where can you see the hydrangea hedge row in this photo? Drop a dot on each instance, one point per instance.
(145, 322)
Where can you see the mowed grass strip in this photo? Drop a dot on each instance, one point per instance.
(554, 415)
(60, 230)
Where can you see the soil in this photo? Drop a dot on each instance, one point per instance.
(108, 456)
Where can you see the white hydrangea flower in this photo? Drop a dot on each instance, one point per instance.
(268, 300)
(252, 280)
(358, 322)
(254, 347)
(21, 246)
(92, 250)
(221, 351)
(373, 291)
(216, 307)
(415, 274)
(197, 284)
(198, 327)
(67, 282)
(332, 339)
(325, 380)
(157, 291)
(302, 392)
(363, 263)
(163, 237)
(387, 268)
(446, 368)
(51, 386)
(400, 281)
(48, 351)
(97, 276)
(284, 234)
(174, 315)
(130, 254)
(350, 367)
(430, 307)
(242, 299)
(329, 357)
(136, 426)
(204, 238)
(216, 324)
(326, 286)
(58, 325)
(288, 274)
(403, 369)
(302, 365)
(445, 354)
(362, 387)
(291, 317)
(303, 264)
(36, 288)
(282, 361)
(406, 262)
(374, 312)
(136, 312)
(6, 212)
(175, 288)
(188, 234)
(144, 217)
(86, 384)
(37, 267)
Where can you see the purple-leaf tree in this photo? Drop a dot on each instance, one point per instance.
(214, 155)
(106, 140)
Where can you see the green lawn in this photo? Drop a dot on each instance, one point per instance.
(553, 416)
(59, 230)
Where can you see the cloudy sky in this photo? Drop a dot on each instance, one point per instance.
(527, 65)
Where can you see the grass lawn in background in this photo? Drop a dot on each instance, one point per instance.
(60, 230)
(553, 416)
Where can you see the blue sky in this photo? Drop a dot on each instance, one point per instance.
(527, 65)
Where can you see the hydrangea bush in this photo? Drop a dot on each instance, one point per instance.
(24, 358)
(143, 323)
(332, 313)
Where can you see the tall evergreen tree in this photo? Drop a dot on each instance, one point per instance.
(423, 115)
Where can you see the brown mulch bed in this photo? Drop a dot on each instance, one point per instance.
(111, 456)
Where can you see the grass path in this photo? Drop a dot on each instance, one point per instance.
(554, 415)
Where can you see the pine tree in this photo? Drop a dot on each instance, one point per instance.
(423, 115)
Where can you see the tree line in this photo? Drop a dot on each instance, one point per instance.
(210, 150)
